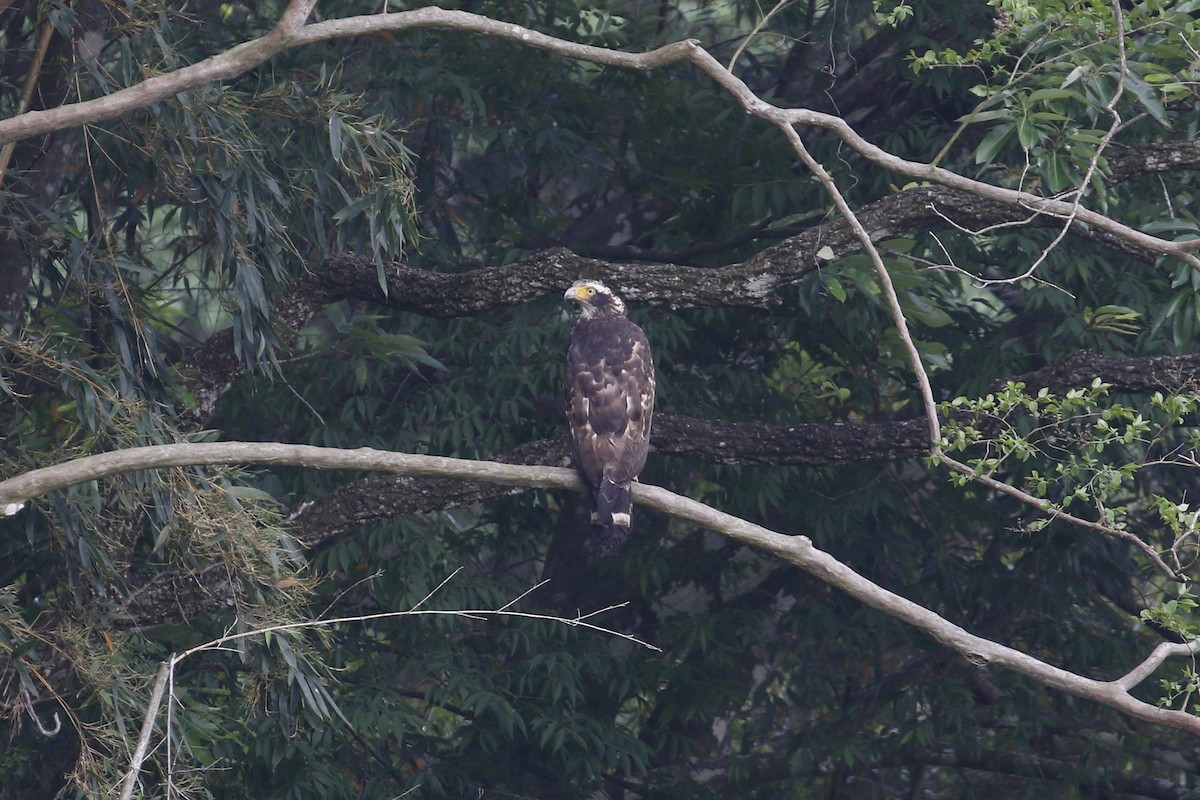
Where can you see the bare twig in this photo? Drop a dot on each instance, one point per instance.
(472, 613)
(1094, 163)
(754, 32)
(143, 744)
(800, 551)
(31, 79)
(438, 588)
(166, 676)
(42, 729)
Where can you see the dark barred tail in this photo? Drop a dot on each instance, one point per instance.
(613, 511)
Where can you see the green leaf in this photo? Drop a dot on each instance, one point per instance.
(1148, 97)
(1040, 95)
(335, 136)
(993, 142)
(1056, 172)
(1074, 75)
(926, 313)
(986, 116)
(835, 288)
(1027, 133)
(250, 493)
(164, 534)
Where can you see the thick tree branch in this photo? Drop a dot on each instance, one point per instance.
(291, 32)
(834, 443)
(751, 283)
(1112, 778)
(754, 283)
(1154, 159)
(1128, 375)
(380, 498)
(797, 550)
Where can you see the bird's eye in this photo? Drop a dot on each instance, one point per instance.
(590, 291)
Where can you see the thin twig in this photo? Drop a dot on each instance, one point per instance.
(436, 589)
(143, 744)
(1046, 507)
(167, 673)
(471, 613)
(1093, 165)
(31, 79)
(47, 732)
(530, 591)
(754, 32)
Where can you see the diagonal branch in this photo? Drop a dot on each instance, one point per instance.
(797, 550)
(1161, 653)
(143, 742)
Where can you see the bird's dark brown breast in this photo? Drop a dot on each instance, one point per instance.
(610, 397)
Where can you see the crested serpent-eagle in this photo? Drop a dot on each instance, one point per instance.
(610, 402)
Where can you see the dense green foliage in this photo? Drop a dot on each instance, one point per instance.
(131, 241)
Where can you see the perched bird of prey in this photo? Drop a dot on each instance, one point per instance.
(610, 403)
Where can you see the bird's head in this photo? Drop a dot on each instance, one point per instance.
(595, 299)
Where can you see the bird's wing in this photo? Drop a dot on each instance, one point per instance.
(610, 389)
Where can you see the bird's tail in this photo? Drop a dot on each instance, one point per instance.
(613, 511)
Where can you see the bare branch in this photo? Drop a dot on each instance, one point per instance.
(473, 613)
(877, 155)
(166, 674)
(1160, 654)
(287, 34)
(885, 280)
(797, 550)
(1094, 163)
(247, 56)
(38, 482)
(294, 16)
